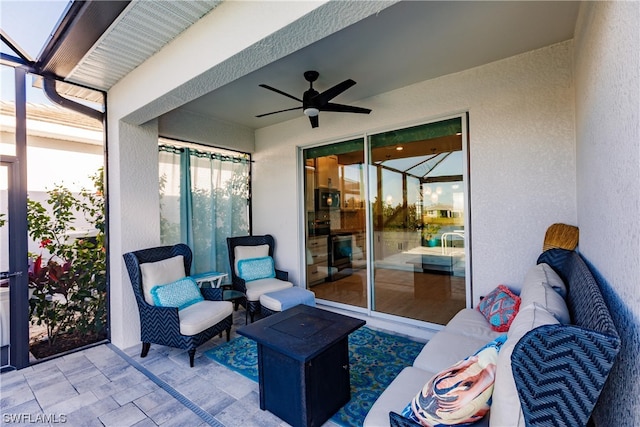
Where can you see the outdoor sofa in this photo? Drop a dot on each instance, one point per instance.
(552, 366)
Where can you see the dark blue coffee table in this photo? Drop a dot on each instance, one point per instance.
(303, 363)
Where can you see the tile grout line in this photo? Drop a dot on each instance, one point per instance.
(207, 417)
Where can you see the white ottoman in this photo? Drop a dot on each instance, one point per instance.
(273, 302)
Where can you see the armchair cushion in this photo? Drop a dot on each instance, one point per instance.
(200, 316)
(159, 273)
(246, 252)
(182, 293)
(255, 288)
(256, 268)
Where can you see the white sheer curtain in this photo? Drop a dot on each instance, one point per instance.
(204, 206)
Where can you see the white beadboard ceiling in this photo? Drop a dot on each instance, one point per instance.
(140, 31)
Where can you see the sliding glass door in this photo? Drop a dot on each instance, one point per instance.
(386, 222)
(418, 221)
(336, 254)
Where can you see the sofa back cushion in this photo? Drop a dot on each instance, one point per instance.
(544, 295)
(544, 273)
(506, 409)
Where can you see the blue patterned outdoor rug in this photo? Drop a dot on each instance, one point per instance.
(376, 359)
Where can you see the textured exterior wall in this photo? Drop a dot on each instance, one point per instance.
(134, 218)
(607, 64)
(522, 163)
(187, 126)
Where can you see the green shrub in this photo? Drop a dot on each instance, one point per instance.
(69, 288)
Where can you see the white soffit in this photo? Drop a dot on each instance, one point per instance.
(142, 29)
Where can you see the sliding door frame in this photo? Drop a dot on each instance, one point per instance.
(370, 288)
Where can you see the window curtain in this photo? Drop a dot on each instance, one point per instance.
(204, 198)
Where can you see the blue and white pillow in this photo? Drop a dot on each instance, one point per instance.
(256, 268)
(181, 293)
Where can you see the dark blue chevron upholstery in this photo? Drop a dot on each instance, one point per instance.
(556, 258)
(560, 370)
(161, 325)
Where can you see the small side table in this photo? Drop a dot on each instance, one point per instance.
(214, 278)
(235, 297)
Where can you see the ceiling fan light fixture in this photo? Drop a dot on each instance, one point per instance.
(311, 112)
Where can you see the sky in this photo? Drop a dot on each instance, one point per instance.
(30, 24)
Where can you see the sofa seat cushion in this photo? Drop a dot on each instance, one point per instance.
(395, 397)
(255, 288)
(471, 323)
(202, 315)
(445, 349)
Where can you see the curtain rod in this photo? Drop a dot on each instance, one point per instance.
(203, 154)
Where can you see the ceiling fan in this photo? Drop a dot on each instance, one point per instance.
(313, 102)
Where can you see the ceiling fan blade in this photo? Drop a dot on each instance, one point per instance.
(279, 111)
(331, 93)
(280, 92)
(340, 108)
(314, 121)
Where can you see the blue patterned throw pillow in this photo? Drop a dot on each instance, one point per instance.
(256, 268)
(181, 293)
(500, 307)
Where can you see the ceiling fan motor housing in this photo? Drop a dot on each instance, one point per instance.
(308, 106)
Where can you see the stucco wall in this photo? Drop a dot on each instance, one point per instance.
(187, 126)
(607, 64)
(134, 220)
(522, 158)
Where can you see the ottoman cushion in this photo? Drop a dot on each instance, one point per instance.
(287, 298)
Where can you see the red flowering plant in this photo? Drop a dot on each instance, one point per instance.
(68, 283)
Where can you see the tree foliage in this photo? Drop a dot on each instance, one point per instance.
(70, 287)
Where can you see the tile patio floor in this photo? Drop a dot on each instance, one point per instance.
(104, 386)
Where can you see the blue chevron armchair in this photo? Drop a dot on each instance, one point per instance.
(239, 248)
(162, 325)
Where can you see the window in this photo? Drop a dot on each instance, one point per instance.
(204, 198)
